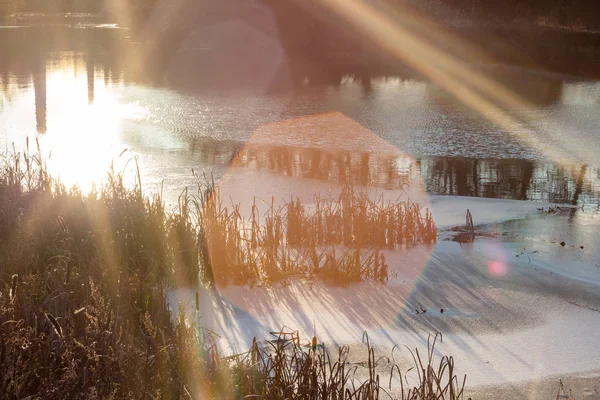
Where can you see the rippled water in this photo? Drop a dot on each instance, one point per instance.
(76, 96)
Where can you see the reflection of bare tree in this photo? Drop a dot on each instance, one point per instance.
(39, 83)
(436, 175)
(474, 170)
(361, 169)
(90, 66)
(578, 189)
(462, 186)
(316, 168)
(4, 82)
(506, 179)
(365, 80)
(579, 184)
(560, 179)
(526, 181)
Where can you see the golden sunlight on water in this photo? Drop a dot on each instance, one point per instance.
(82, 121)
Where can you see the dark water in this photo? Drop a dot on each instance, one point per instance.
(512, 179)
(76, 90)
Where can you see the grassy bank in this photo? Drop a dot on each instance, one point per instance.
(83, 280)
(82, 291)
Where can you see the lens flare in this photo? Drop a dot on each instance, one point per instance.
(497, 269)
(337, 141)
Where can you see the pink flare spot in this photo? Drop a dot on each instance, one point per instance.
(496, 268)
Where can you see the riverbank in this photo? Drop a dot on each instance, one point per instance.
(83, 309)
(517, 310)
(518, 305)
(512, 306)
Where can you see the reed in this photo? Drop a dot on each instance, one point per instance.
(285, 367)
(466, 233)
(83, 281)
(341, 240)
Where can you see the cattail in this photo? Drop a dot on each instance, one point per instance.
(67, 278)
(62, 224)
(55, 324)
(13, 289)
(254, 351)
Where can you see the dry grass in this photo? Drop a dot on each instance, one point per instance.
(82, 289)
(287, 368)
(83, 283)
(338, 240)
(434, 381)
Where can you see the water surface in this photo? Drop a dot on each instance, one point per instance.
(74, 91)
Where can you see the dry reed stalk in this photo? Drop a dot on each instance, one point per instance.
(285, 243)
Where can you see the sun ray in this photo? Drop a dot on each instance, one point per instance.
(421, 47)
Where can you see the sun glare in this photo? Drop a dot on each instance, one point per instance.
(83, 137)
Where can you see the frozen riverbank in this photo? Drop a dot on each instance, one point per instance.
(517, 305)
(506, 319)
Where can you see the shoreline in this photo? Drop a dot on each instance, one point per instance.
(501, 330)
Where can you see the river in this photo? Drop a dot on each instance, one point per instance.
(513, 300)
(72, 89)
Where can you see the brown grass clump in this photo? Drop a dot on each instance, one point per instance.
(434, 381)
(355, 219)
(341, 240)
(286, 368)
(82, 289)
